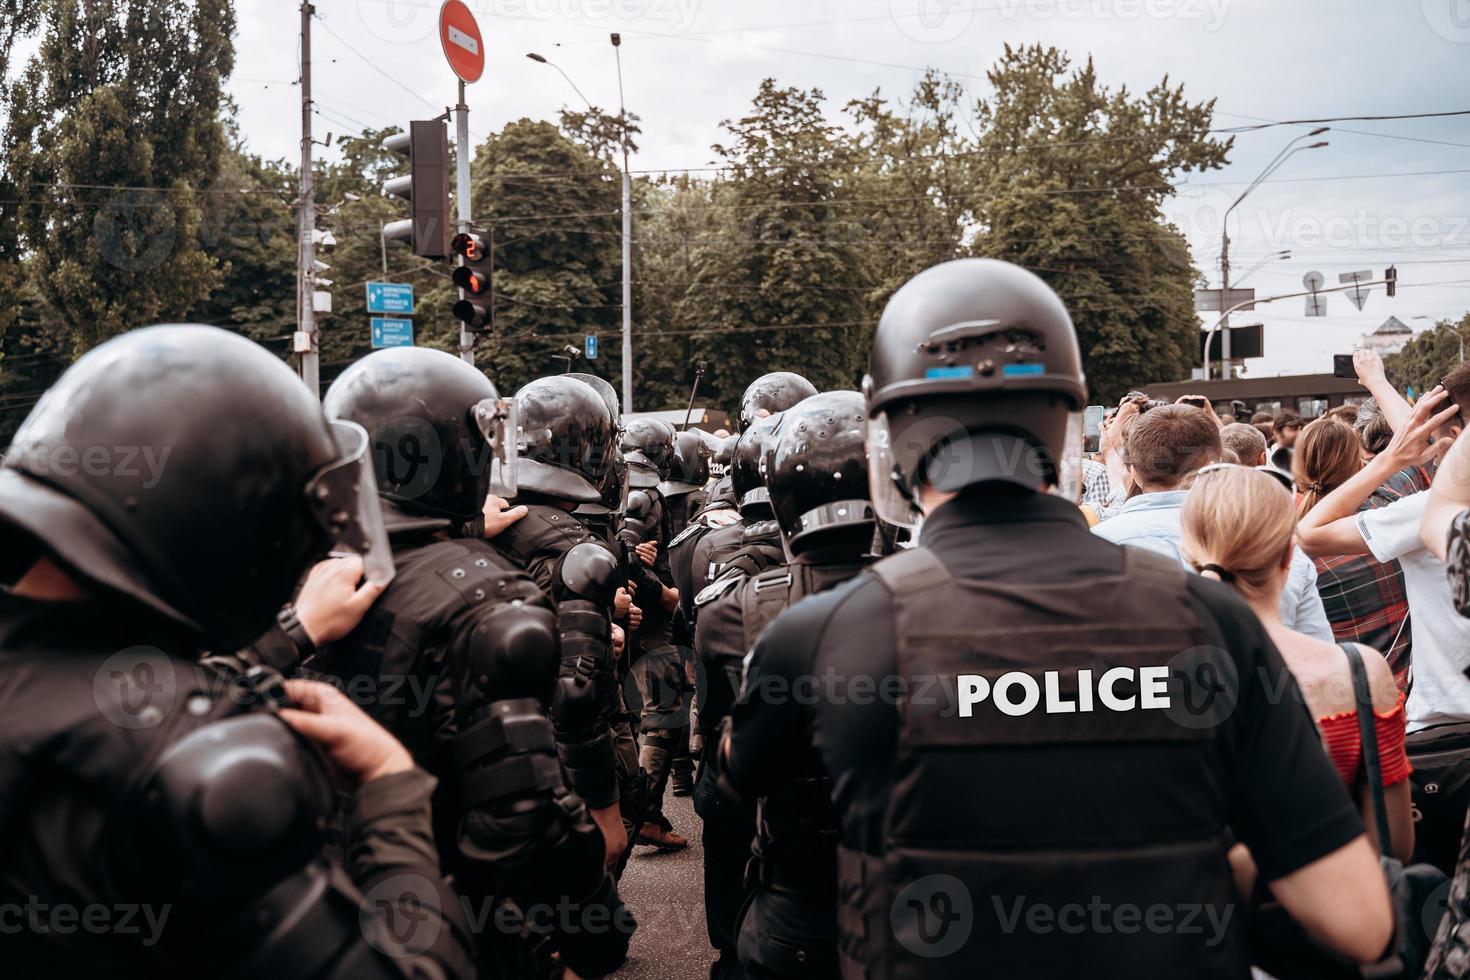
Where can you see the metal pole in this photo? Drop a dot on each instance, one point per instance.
(1224, 294)
(627, 242)
(383, 244)
(462, 194)
(306, 248)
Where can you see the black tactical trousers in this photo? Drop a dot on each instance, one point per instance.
(789, 936)
(729, 828)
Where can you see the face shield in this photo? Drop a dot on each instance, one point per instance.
(1069, 463)
(344, 501)
(497, 419)
(892, 502)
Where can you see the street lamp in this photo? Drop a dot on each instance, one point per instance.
(1286, 152)
(536, 57)
(1441, 325)
(617, 41)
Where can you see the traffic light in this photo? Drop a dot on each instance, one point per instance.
(425, 186)
(473, 276)
(1391, 276)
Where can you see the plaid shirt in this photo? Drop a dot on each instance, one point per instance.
(1364, 598)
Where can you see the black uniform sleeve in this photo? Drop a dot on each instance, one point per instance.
(391, 857)
(1289, 805)
(771, 716)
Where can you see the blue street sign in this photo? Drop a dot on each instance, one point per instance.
(591, 348)
(392, 332)
(389, 297)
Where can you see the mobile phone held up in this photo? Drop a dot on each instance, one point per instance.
(1092, 417)
(1342, 366)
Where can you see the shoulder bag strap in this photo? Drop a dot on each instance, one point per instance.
(1368, 735)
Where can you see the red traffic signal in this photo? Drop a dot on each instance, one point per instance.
(473, 277)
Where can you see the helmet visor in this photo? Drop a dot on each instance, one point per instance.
(344, 501)
(891, 498)
(1069, 463)
(497, 420)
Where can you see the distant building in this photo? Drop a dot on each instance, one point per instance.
(1388, 338)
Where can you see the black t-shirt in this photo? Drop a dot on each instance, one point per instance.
(1281, 796)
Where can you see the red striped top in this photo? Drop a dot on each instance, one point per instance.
(1340, 736)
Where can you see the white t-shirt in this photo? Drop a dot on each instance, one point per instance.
(1441, 636)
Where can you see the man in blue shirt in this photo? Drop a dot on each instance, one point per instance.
(1166, 447)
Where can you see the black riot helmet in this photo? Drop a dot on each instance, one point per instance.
(771, 394)
(745, 466)
(817, 471)
(189, 471)
(648, 447)
(439, 429)
(566, 439)
(975, 376)
(689, 470)
(605, 391)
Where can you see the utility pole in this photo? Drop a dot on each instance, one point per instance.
(617, 41)
(462, 204)
(305, 342)
(1224, 320)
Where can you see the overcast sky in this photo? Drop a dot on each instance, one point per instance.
(1381, 192)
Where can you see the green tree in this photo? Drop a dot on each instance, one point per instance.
(758, 298)
(114, 136)
(553, 208)
(1071, 183)
(1424, 361)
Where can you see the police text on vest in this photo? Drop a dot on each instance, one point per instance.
(1019, 693)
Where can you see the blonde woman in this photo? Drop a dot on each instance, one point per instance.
(1238, 527)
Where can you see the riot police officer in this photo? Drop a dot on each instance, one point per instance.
(755, 544)
(601, 516)
(685, 493)
(567, 440)
(816, 475)
(163, 498)
(1034, 736)
(656, 664)
(770, 394)
(461, 655)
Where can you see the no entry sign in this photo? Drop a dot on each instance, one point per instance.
(460, 36)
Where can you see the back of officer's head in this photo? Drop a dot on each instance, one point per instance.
(1241, 521)
(1169, 443)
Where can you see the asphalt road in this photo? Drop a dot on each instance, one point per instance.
(666, 893)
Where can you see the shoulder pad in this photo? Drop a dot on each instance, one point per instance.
(476, 573)
(232, 796)
(716, 589)
(688, 532)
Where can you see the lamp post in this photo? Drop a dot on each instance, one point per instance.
(1276, 162)
(617, 42)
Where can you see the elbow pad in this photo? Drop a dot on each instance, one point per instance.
(588, 572)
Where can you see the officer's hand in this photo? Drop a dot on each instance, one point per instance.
(622, 602)
(635, 618)
(331, 602)
(619, 640)
(359, 749)
(670, 599)
(499, 515)
(723, 517)
(647, 552)
(609, 820)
